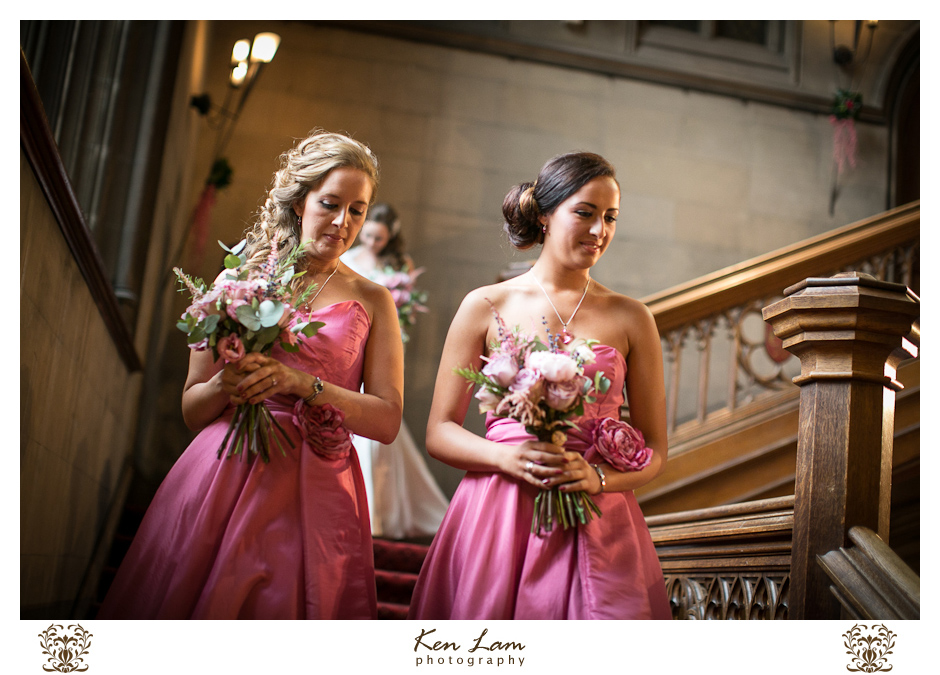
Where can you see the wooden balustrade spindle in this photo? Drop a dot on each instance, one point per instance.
(850, 332)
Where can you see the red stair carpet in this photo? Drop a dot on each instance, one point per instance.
(397, 564)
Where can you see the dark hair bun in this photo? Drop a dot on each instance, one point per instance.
(521, 214)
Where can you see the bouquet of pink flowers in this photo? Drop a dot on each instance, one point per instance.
(408, 301)
(542, 386)
(247, 311)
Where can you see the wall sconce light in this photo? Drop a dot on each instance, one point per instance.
(845, 55)
(248, 59)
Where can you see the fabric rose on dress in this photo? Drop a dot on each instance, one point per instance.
(231, 348)
(553, 367)
(502, 369)
(322, 427)
(621, 445)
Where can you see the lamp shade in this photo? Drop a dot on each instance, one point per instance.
(237, 76)
(265, 46)
(241, 50)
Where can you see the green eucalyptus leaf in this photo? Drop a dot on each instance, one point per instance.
(232, 261)
(183, 326)
(237, 248)
(270, 312)
(224, 247)
(312, 328)
(289, 348)
(197, 335)
(539, 346)
(212, 322)
(247, 316)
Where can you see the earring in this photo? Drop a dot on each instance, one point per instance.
(299, 221)
(544, 229)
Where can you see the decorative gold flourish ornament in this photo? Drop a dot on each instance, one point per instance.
(65, 648)
(869, 649)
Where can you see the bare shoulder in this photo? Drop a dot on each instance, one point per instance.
(633, 320)
(374, 296)
(623, 306)
(498, 297)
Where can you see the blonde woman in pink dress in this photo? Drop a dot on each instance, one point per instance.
(288, 539)
(485, 563)
(404, 499)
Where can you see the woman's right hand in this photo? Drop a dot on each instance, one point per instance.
(232, 376)
(534, 462)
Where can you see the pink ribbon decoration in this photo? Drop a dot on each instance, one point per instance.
(844, 142)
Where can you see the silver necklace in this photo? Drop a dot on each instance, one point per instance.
(322, 286)
(566, 337)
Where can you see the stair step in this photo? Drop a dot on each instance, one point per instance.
(398, 556)
(392, 611)
(396, 587)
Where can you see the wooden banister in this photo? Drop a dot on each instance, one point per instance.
(770, 274)
(870, 580)
(850, 332)
(722, 366)
(729, 562)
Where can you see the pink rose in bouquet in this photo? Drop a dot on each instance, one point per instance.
(231, 348)
(554, 367)
(543, 387)
(488, 400)
(527, 380)
(622, 445)
(322, 426)
(502, 369)
(563, 395)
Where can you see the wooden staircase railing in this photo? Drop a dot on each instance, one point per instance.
(823, 425)
(715, 322)
(731, 403)
(730, 562)
(779, 558)
(870, 580)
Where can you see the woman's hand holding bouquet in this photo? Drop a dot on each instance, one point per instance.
(247, 312)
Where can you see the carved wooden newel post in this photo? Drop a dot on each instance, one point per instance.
(850, 332)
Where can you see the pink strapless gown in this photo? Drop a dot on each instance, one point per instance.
(485, 564)
(231, 538)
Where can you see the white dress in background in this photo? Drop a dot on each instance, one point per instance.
(404, 499)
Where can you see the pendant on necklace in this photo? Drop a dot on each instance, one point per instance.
(566, 337)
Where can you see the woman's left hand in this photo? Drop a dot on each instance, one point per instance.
(578, 476)
(266, 377)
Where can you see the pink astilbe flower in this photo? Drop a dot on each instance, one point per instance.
(520, 406)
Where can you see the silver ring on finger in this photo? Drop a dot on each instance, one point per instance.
(273, 381)
(528, 466)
